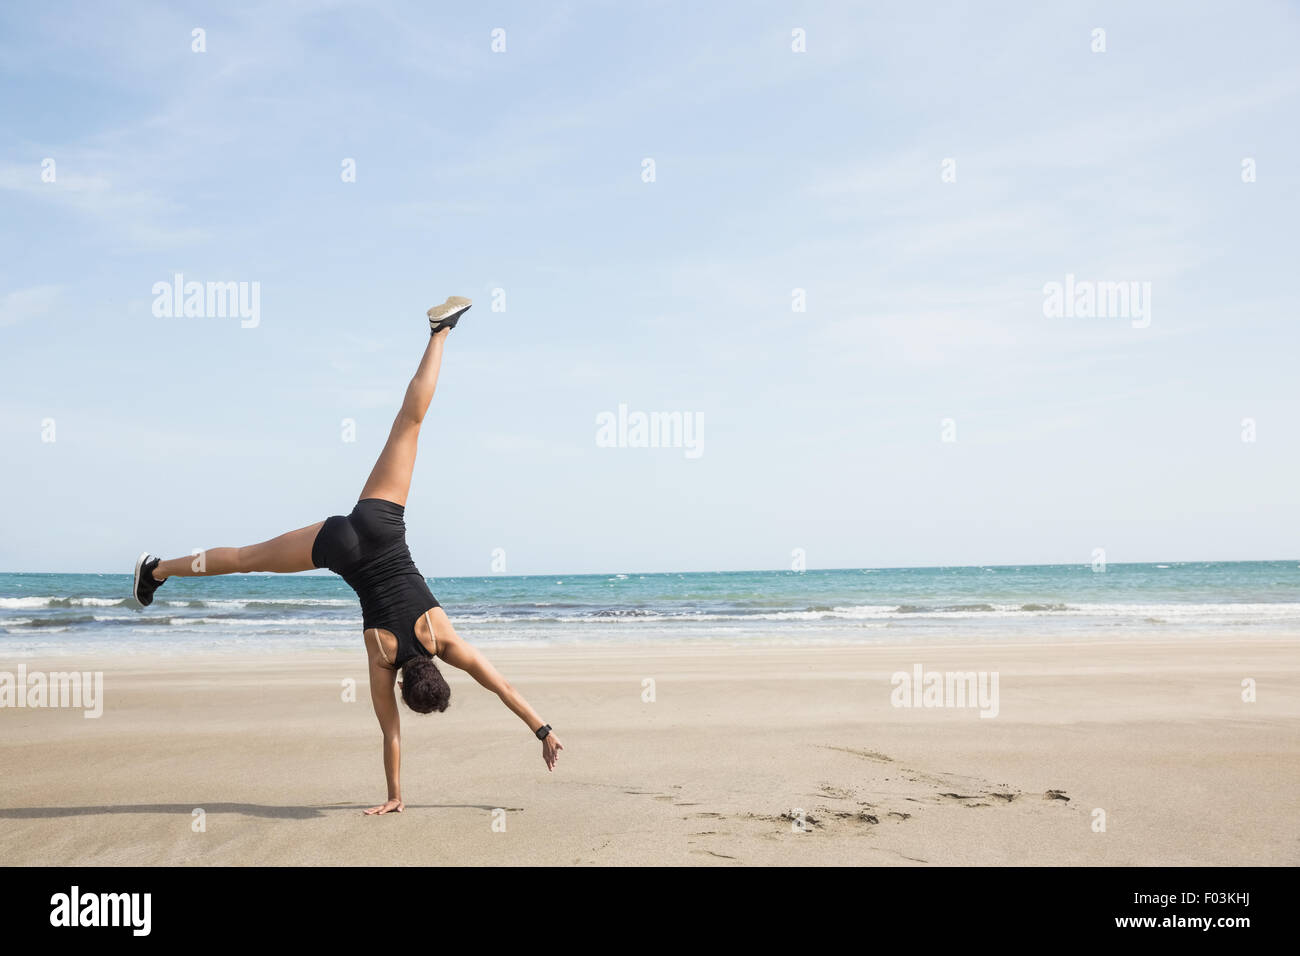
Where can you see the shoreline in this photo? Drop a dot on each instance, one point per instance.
(267, 649)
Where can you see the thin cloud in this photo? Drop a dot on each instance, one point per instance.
(26, 304)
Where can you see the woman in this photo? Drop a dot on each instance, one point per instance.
(404, 626)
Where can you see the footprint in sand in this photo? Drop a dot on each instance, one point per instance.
(720, 856)
(864, 754)
(941, 787)
(661, 797)
(861, 816)
(838, 793)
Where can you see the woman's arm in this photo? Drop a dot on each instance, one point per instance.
(384, 700)
(470, 659)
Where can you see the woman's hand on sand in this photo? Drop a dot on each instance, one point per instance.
(388, 806)
(551, 748)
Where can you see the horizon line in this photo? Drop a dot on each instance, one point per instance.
(552, 574)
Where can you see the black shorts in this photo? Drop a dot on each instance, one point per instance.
(368, 550)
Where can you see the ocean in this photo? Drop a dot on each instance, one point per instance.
(62, 614)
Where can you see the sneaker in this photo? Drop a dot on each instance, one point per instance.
(446, 316)
(145, 585)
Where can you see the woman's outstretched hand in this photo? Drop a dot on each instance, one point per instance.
(551, 748)
(388, 806)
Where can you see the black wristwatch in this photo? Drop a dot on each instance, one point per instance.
(543, 731)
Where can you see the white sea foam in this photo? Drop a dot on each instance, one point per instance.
(31, 603)
(239, 604)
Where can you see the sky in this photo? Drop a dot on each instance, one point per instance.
(632, 193)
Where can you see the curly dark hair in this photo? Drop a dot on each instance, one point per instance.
(423, 687)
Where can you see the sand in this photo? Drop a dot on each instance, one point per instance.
(737, 740)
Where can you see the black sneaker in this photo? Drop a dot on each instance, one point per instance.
(145, 585)
(446, 316)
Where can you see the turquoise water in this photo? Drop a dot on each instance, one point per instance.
(71, 613)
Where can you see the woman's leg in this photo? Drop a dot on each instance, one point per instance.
(391, 477)
(288, 553)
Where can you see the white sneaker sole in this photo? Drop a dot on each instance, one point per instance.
(454, 304)
(135, 584)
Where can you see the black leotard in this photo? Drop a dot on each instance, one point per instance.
(368, 550)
